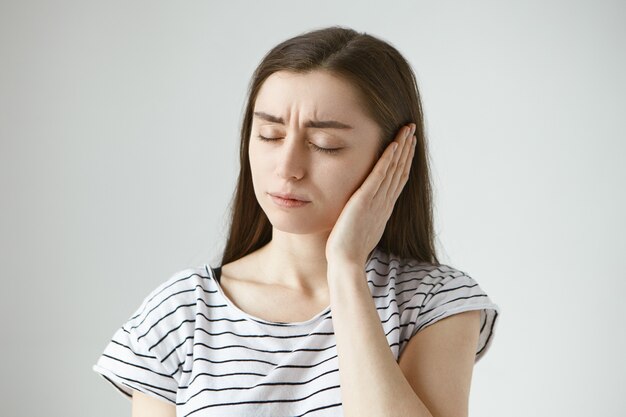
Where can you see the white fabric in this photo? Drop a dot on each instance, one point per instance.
(188, 344)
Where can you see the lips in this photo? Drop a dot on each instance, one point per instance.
(290, 196)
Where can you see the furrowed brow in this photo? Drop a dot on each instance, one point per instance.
(315, 124)
(327, 124)
(269, 117)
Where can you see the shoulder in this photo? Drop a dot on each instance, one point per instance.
(147, 351)
(426, 293)
(166, 317)
(383, 267)
(180, 288)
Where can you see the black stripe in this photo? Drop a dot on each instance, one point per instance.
(307, 366)
(436, 279)
(117, 386)
(255, 336)
(221, 375)
(452, 301)
(410, 265)
(186, 371)
(262, 322)
(167, 298)
(391, 331)
(391, 301)
(412, 300)
(443, 304)
(167, 315)
(253, 386)
(171, 331)
(378, 260)
(443, 313)
(260, 350)
(484, 322)
(444, 269)
(262, 402)
(222, 319)
(456, 288)
(320, 408)
(274, 365)
(395, 313)
(199, 313)
(493, 322)
(138, 366)
(148, 390)
(175, 349)
(164, 288)
(143, 384)
(432, 294)
(413, 291)
(129, 348)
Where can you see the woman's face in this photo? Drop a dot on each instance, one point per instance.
(306, 115)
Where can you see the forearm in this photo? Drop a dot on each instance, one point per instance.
(372, 383)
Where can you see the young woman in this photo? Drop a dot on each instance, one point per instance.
(329, 299)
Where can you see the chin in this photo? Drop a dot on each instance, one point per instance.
(295, 227)
(298, 224)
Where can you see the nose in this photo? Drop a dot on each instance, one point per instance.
(291, 158)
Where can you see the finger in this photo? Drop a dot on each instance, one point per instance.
(395, 175)
(404, 175)
(383, 185)
(373, 181)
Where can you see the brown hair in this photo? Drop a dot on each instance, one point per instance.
(391, 98)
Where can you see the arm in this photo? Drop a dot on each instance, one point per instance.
(438, 362)
(432, 378)
(371, 381)
(146, 406)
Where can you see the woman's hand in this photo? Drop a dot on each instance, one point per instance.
(362, 222)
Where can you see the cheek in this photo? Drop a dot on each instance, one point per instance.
(343, 180)
(256, 157)
(256, 168)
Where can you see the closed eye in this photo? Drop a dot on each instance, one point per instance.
(315, 147)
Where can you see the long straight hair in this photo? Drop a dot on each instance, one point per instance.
(388, 89)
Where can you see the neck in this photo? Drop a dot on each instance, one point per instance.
(295, 261)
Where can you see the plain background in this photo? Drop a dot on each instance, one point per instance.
(119, 129)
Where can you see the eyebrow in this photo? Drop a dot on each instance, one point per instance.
(318, 124)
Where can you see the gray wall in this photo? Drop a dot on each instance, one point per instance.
(119, 127)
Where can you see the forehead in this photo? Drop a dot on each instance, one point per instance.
(316, 94)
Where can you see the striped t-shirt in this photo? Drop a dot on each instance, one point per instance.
(189, 345)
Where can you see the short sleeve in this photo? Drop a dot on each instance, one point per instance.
(129, 364)
(149, 351)
(450, 294)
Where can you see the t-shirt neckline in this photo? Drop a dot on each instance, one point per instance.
(249, 316)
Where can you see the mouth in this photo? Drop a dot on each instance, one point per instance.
(290, 197)
(286, 202)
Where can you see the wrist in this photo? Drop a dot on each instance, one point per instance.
(345, 271)
(343, 263)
